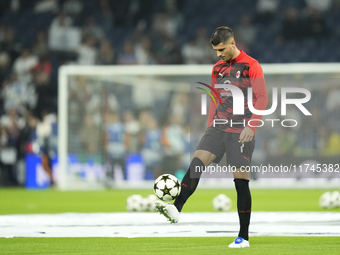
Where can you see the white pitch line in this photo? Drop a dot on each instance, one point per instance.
(154, 225)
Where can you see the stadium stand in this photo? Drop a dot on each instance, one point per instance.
(38, 36)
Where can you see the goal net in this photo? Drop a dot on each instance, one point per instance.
(126, 124)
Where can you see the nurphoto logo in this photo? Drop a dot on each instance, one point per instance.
(238, 104)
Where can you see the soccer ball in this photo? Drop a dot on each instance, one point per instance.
(330, 199)
(134, 203)
(336, 198)
(325, 200)
(167, 187)
(222, 203)
(149, 203)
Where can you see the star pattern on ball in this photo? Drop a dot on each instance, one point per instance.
(177, 185)
(165, 191)
(165, 177)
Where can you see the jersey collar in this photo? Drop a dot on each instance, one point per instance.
(238, 58)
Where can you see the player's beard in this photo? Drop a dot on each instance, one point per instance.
(227, 59)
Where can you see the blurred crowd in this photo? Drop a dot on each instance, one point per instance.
(164, 126)
(108, 122)
(38, 36)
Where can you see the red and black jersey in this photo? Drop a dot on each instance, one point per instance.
(242, 72)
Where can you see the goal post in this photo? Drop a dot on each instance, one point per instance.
(139, 80)
(65, 72)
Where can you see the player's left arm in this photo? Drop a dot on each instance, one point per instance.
(260, 93)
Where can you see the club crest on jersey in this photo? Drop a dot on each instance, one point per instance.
(238, 74)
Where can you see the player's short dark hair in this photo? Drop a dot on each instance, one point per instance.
(221, 35)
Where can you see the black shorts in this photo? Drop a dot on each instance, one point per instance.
(218, 142)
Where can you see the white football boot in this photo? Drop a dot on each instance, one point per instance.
(239, 242)
(168, 210)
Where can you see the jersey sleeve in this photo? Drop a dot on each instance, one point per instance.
(212, 107)
(260, 99)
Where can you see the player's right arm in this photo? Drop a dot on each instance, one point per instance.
(212, 107)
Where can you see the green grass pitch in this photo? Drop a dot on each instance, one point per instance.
(169, 246)
(21, 201)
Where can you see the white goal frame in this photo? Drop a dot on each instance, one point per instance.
(66, 71)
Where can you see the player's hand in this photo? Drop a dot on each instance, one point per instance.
(246, 135)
